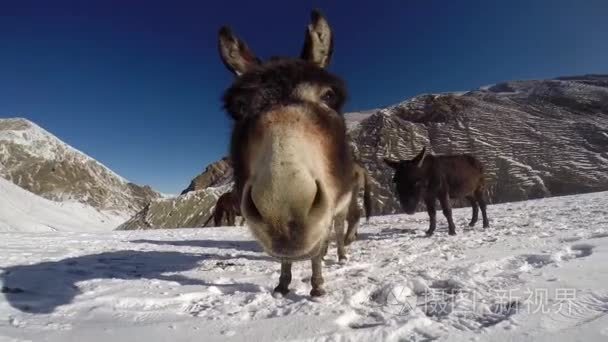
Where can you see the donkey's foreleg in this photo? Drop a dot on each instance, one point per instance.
(284, 279)
(475, 207)
(444, 199)
(317, 277)
(430, 208)
(339, 231)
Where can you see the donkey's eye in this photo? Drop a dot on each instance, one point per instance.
(329, 97)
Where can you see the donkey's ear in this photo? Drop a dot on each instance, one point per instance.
(318, 41)
(392, 163)
(237, 57)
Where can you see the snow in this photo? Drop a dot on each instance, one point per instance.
(353, 119)
(538, 274)
(23, 211)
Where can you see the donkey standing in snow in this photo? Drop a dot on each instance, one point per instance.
(293, 167)
(227, 205)
(440, 177)
(353, 214)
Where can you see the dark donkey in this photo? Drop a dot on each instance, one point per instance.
(443, 177)
(227, 205)
(293, 168)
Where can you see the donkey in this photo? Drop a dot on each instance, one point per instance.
(443, 177)
(227, 204)
(352, 213)
(293, 167)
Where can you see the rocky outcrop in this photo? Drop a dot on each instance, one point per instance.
(190, 210)
(216, 174)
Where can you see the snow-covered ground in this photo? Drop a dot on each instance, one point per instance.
(23, 211)
(540, 273)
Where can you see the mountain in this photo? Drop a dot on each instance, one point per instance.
(23, 211)
(536, 138)
(190, 209)
(39, 162)
(216, 174)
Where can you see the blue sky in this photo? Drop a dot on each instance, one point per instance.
(137, 84)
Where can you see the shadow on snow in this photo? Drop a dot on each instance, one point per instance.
(248, 246)
(42, 287)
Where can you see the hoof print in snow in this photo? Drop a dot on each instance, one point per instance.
(599, 235)
(581, 250)
(499, 312)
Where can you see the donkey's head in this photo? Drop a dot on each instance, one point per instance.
(410, 179)
(292, 163)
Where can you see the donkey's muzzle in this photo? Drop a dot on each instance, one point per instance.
(285, 199)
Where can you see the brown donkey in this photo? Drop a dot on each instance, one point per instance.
(440, 177)
(352, 213)
(227, 205)
(293, 168)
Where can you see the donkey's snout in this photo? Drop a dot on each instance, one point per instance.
(288, 208)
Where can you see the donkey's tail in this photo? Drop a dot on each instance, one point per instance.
(210, 216)
(367, 197)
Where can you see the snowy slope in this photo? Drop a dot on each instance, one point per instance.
(40, 162)
(538, 274)
(353, 119)
(23, 211)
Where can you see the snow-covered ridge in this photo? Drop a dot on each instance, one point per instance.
(39, 162)
(43, 144)
(354, 118)
(23, 211)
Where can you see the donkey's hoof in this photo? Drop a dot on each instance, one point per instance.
(452, 233)
(429, 233)
(317, 292)
(472, 224)
(486, 225)
(283, 290)
(342, 260)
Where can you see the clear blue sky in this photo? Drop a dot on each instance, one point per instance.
(137, 84)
